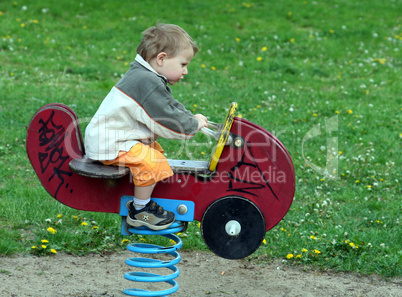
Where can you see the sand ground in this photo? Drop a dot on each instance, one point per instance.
(201, 274)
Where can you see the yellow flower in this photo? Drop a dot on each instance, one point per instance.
(350, 111)
(292, 40)
(203, 66)
(264, 241)
(259, 59)
(84, 223)
(44, 246)
(213, 68)
(298, 256)
(264, 49)
(289, 256)
(53, 251)
(313, 237)
(35, 21)
(22, 25)
(316, 251)
(84, 27)
(289, 13)
(304, 250)
(1, 13)
(124, 240)
(331, 31)
(51, 230)
(314, 114)
(59, 216)
(336, 111)
(44, 241)
(95, 227)
(33, 247)
(237, 39)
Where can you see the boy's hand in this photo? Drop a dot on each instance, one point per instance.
(202, 121)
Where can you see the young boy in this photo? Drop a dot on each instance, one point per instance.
(138, 110)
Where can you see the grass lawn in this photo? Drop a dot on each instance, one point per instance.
(329, 69)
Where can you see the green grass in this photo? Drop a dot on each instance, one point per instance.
(291, 65)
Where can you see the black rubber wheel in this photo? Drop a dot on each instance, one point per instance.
(245, 214)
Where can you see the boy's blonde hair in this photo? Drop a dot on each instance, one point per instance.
(167, 38)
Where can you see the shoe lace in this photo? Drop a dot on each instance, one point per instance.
(154, 207)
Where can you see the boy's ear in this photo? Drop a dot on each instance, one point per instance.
(160, 58)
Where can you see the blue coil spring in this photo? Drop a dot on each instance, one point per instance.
(143, 248)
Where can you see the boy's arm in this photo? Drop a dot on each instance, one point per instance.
(168, 118)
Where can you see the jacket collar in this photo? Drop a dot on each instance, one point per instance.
(144, 63)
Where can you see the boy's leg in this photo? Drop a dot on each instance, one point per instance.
(147, 166)
(145, 212)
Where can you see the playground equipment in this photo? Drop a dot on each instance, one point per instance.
(242, 192)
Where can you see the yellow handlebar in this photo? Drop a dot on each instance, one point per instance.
(224, 136)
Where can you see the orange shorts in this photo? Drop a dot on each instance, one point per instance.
(147, 163)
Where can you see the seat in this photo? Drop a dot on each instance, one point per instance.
(95, 169)
(90, 168)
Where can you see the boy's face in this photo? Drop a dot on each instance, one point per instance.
(174, 68)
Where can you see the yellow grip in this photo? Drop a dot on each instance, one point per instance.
(224, 136)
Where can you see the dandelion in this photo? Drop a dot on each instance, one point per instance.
(53, 251)
(331, 31)
(124, 240)
(316, 251)
(304, 250)
(51, 230)
(237, 39)
(84, 223)
(289, 13)
(350, 111)
(95, 227)
(298, 256)
(33, 247)
(59, 216)
(248, 5)
(44, 241)
(289, 256)
(264, 48)
(213, 68)
(313, 237)
(84, 27)
(203, 66)
(292, 40)
(22, 25)
(44, 246)
(336, 111)
(1, 13)
(259, 59)
(264, 241)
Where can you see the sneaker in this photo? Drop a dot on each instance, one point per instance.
(152, 216)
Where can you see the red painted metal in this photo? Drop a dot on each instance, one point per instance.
(261, 170)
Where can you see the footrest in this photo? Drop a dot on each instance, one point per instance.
(90, 168)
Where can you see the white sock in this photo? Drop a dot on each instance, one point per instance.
(140, 203)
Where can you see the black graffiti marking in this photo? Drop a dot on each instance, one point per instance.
(51, 137)
(253, 185)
